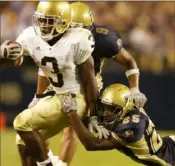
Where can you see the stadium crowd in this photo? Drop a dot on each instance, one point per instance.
(146, 28)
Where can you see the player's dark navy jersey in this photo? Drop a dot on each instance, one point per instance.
(107, 44)
(141, 142)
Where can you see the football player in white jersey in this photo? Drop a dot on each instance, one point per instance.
(64, 56)
(106, 46)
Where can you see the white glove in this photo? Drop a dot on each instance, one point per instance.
(33, 102)
(11, 51)
(68, 103)
(93, 124)
(54, 159)
(139, 98)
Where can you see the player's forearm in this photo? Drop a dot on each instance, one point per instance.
(133, 79)
(11, 63)
(42, 84)
(87, 139)
(5, 62)
(90, 142)
(92, 96)
(126, 59)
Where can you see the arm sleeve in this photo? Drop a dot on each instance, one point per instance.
(114, 44)
(84, 48)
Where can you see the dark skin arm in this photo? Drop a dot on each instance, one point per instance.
(87, 75)
(6, 62)
(10, 63)
(90, 142)
(42, 84)
(13, 63)
(125, 58)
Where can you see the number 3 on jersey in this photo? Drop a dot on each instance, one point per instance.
(55, 71)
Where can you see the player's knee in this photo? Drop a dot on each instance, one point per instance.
(21, 122)
(17, 123)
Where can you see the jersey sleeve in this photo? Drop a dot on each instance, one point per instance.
(108, 42)
(41, 73)
(130, 132)
(23, 39)
(84, 48)
(113, 44)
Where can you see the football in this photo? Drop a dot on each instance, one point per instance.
(19, 60)
(14, 42)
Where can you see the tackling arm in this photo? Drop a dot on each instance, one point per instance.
(90, 142)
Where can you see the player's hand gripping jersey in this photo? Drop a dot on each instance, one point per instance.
(141, 142)
(59, 62)
(107, 44)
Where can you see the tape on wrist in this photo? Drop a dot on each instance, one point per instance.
(131, 72)
(135, 89)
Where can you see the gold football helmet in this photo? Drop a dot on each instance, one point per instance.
(115, 102)
(51, 18)
(81, 15)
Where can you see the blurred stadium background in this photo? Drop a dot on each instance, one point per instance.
(148, 33)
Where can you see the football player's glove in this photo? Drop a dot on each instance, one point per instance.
(94, 124)
(11, 50)
(69, 103)
(138, 97)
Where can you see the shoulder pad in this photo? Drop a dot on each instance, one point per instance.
(108, 41)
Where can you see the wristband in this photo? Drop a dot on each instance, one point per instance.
(131, 72)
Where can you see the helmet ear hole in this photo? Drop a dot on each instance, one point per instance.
(134, 101)
(64, 23)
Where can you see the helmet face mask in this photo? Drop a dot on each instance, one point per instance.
(109, 114)
(45, 26)
(114, 104)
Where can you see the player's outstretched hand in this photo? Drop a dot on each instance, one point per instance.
(93, 124)
(69, 103)
(139, 98)
(11, 50)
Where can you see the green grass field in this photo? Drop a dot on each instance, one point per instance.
(9, 154)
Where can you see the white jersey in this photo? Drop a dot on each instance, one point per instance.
(59, 62)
